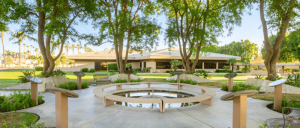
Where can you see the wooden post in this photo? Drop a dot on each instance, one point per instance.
(278, 98)
(78, 82)
(257, 68)
(34, 92)
(61, 109)
(128, 79)
(178, 78)
(239, 112)
(203, 66)
(282, 69)
(230, 84)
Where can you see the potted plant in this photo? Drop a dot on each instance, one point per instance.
(174, 64)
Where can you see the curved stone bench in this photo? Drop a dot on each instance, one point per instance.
(108, 99)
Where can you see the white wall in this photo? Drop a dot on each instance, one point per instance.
(135, 64)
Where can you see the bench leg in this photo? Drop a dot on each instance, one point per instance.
(119, 87)
(161, 107)
(149, 85)
(207, 102)
(108, 102)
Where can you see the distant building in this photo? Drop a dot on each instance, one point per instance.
(158, 60)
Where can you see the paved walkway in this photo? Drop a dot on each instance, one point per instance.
(88, 111)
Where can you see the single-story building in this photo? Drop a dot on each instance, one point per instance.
(158, 60)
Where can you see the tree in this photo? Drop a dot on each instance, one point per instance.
(20, 36)
(193, 24)
(24, 51)
(126, 20)
(63, 60)
(36, 52)
(231, 62)
(85, 48)
(226, 68)
(67, 47)
(281, 16)
(53, 20)
(3, 30)
(78, 46)
(73, 48)
(175, 64)
(245, 49)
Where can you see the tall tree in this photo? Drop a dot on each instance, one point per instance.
(193, 24)
(67, 47)
(53, 20)
(126, 20)
(78, 47)
(73, 48)
(20, 36)
(24, 50)
(3, 30)
(36, 52)
(281, 16)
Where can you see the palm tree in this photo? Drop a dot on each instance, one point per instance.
(27, 50)
(24, 50)
(2, 34)
(85, 48)
(31, 49)
(73, 47)
(67, 47)
(24, 53)
(78, 46)
(231, 61)
(36, 52)
(20, 36)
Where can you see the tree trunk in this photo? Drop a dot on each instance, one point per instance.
(19, 53)
(3, 49)
(273, 53)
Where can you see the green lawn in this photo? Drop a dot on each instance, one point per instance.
(8, 78)
(15, 118)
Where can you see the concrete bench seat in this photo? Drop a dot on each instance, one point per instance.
(110, 99)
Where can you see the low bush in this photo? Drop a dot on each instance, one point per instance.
(258, 76)
(285, 102)
(39, 68)
(17, 101)
(54, 73)
(238, 72)
(189, 81)
(295, 70)
(293, 80)
(73, 85)
(202, 73)
(223, 71)
(245, 70)
(125, 81)
(26, 73)
(92, 70)
(240, 87)
(288, 69)
(112, 67)
(85, 70)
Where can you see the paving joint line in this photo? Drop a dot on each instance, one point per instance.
(100, 117)
(194, 118)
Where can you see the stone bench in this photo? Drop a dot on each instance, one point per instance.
(110, 99)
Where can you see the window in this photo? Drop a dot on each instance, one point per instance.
(163, 65)
(222, 64)
(141, 64)
(144, 64)
(209, 65)
(199, 65)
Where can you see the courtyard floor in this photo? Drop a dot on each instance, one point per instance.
(88, 111)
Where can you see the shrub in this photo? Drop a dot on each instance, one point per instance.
(288, 69)
(39, 68)
(172, 73)
(138, 80)
(293, 80)
(264, 69)
(92, 70)
(245, 70)
(58, 73)
(201, 73)
(73, 85)
(112, 67)
(223, 71)
(240, 87)
(85, 70)
(21, 101)
(238, 72)
(120, 81)
(226, 67)
(295, 70)
(189, 81)
(258, 76)
(26, 73)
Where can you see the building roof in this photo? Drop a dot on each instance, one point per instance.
(168, 53)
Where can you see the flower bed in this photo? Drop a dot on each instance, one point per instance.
(17, 101)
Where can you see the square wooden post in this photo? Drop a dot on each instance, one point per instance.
(178, 78)
(34, 92)
(61, 110)
(203, 66)
(217, 65)
(78, 82)
(239, 119)
(278, 98)
(128, 78)
(230, 84)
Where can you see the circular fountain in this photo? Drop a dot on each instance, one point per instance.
(154, 97)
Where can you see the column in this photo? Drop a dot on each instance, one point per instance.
(34, 92)
(278, 98)
(217, 65)
(202, 65)
(282, 69)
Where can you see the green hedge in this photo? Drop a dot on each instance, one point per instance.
(112, 67)
(73, 85)
(85, 70)
(39, 68)
(189, 81)
(125, 81)
(240, 87)
(223, 71)
(92, 70)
